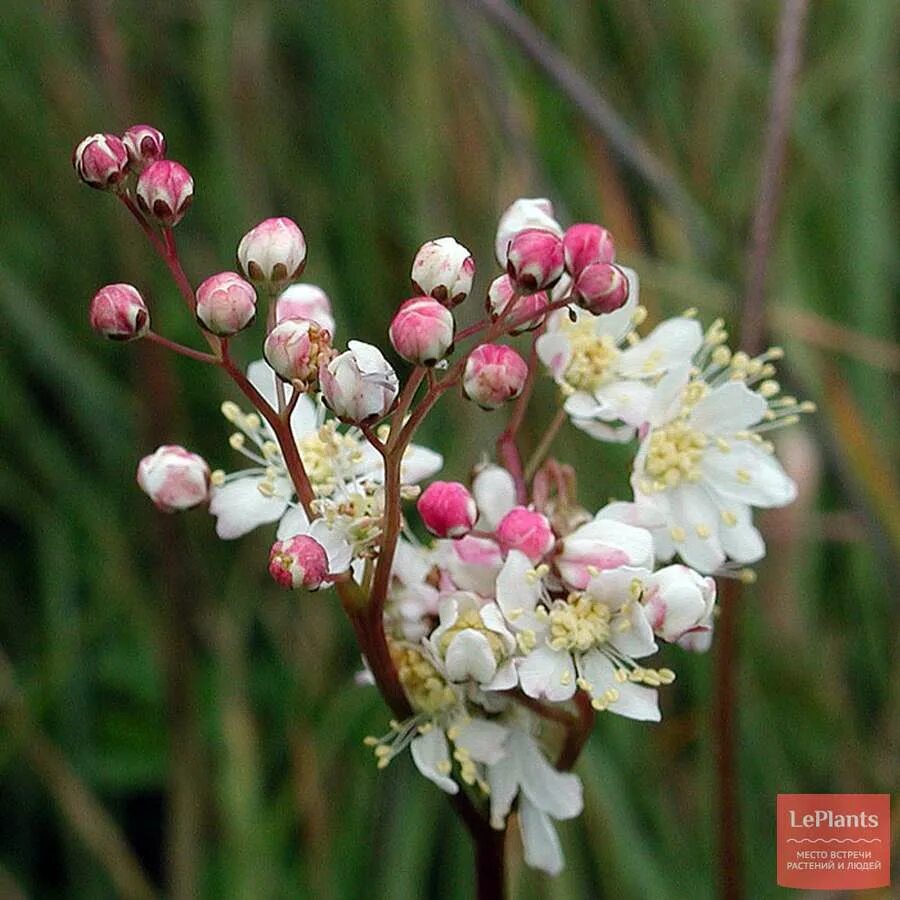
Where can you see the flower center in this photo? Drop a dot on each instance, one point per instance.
(323, 453)
(470, 619)
(579, 624)
(426, 689)
(674, 454)
(592, 356)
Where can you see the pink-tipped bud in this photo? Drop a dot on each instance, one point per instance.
(101, 161)
(299, 562)
(443, 269)
(359, 385)
(493, 375)
(274, 252)
(447, 509)
(296, 349)
(305, 301)
(145, 144)
(527, 212)
(586, 244)
(119, 313)
(527, 531)
(502, 293)
(174, 478)
(601, 288)
(226, 303)
(535, 260)
(422, 331)
(164, 191)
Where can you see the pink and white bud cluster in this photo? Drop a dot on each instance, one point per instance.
(305, 301)
(119, 313)
(297, 349)
(443, 269)
(494, 374)
(359, 385)
(145, 144)
(226, 304)
(447, 509)
(273, 253)
(174, 478)
(527, 531)
(503, 297)
(299, 562)
(599, 286)
(535, 260)
(101, 161)
(422, 331)
(165, 190)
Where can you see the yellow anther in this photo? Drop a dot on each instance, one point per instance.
(230, 410)
(747, 576)
(743, 476)
(252, 422)
(217, 478)
(237, 441)
(702, 531)
(728, 517)
(677, 534)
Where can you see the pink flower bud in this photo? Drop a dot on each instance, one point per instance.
(174, 478)
(422, 331)
(164, 191)
(305, 301)
(274, 251)
(359, 385)
(601, 288)
(494, 373)
(443, 269)
(527, 531)
(145, 144)
(535, 260)
(299, 562)
(226, 303)
(119, 313)
(101, 161)
(447, 509)
(524, 213)
(296, 349)
(678, 601)
(502, 293)
(586, 244)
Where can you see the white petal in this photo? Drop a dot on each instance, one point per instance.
(469, 655)
(332, 538)
(693, 509)
(746, 473)
(667, 396)
(430, 753)
(485, 741)
(503, 778)
(555, 352)
(419, 463)
(742, 541)
(625, 400)
(239, 507)
(517, 593)
(548, 673)
(600, 431)
(637, 640)
(293, 522)
(495, 495)
(617, 324)
(507, 677)
(672, 343)
(540, 840)
(634, 701)
(557, 793)
(641, 515)
(728, 408)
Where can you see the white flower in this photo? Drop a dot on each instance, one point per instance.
(607, 371)
(412, 598)
(544, 794)
(474, 643)
(359, 384)
(523, 214)
(589, 640)
(704, 461)
(472, 563)
(344, 469)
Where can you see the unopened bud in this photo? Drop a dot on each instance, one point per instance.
(359, 385)
(274, 252)
(226, 303)
(296, 349)
(502, 294)
(527, 531)
(145, 144)
(174, 478)
(447, 509)
(422, 331)
(535, 260)
(523, 214)
(119, 313)
(164, 191)
(305, 301)
(586, 244)
(493, 375)
(298, 562)
(101, 161)
(443, 269)
(601, 288)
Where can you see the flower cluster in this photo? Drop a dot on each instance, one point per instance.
(505, 615)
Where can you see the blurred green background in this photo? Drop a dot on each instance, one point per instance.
(153, 677)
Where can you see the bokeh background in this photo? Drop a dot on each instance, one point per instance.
(161, 702)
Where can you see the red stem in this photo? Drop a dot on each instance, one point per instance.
(199, 355)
